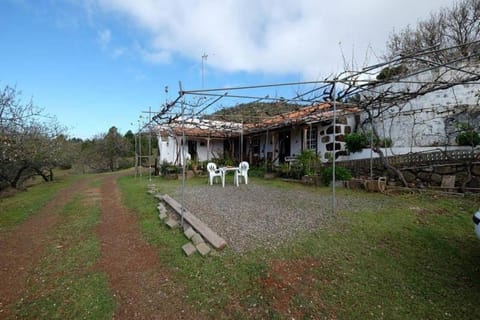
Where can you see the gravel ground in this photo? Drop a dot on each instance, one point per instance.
(256, 215)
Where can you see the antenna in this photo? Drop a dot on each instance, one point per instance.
(204, 58)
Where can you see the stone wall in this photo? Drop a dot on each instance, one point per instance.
(426, 174)
(432, 176)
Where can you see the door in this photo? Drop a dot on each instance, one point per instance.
(192, 150)
(283, 145)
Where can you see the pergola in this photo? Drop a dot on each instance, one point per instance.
(349, 91)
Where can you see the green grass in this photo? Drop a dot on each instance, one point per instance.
(64, 285)
(403, 257)
(14, 210)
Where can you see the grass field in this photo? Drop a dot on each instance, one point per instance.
(414, 257)
(16, 209)
(63, 285)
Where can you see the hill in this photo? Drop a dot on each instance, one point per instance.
(252, 112)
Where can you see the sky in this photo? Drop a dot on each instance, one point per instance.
(94, 64)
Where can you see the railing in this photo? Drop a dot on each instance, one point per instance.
(417, 159)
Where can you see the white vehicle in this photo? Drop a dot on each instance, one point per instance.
(476, 220)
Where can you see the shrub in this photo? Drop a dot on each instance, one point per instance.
(467, 136)
(308, 161)
(341, 173)
(388, 73)
(256, 171)
(383, 143)
(125, 163)
(355, 141)
(167, 168)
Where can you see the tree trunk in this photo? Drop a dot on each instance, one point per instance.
(387, 165)
(16, 179)
(468, 179)
(379, 151)
(43, 175)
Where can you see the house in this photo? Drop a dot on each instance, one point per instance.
(275, 139)
(423, 122)
(205, 139)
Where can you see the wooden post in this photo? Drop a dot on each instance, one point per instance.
(273, 149)
(305, 136)
(208, 148)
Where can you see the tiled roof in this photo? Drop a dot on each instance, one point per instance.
(218, 129)
(315, 113)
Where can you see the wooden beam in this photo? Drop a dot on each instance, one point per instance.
(214, 239)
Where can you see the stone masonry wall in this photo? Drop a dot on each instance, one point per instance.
(422, 175)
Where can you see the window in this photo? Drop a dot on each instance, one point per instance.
(312, 138)
(255, 145)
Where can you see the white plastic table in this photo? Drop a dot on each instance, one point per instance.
(225, 170)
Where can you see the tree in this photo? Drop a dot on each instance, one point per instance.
(457, 26)
(29, 145)
(130, 137)
(104, 151)
(112, 147)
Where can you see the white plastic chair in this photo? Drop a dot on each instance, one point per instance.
(213, 172)
(242, 172)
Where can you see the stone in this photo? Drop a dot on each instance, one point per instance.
(163, 215)
(162, 209)
(409, 176)
(476, 170)
(189, 249)
(159, 196)
(203, 249)
(436, 179)
(171, 223)
(445, 170)
(424, 176)
(189, 233)
(448, 181)
(197, 239)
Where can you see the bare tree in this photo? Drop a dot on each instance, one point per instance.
(28, 144)
(457, 26)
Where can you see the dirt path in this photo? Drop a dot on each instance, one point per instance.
(22, 247)
(141, 286)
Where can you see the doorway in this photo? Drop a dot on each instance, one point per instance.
(283, 145)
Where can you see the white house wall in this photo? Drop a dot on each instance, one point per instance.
(431, 119)
(216, 150)
(168, 149)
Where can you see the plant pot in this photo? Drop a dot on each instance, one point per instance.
(269, 175)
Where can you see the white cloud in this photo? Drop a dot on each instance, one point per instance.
(118, 52)
(104, 37)
(290, 36)
(153, 56)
